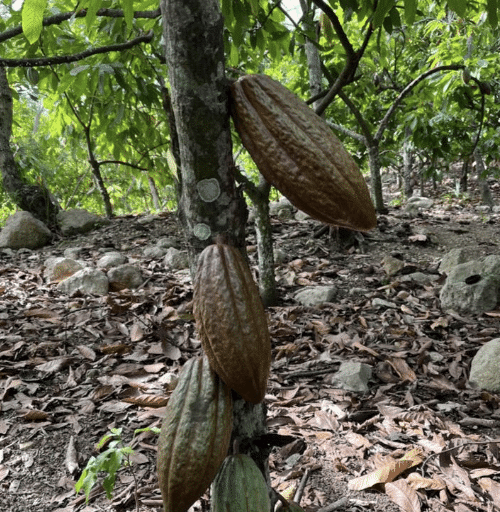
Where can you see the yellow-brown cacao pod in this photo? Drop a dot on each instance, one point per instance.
(195, 435)
(240, 487)
(296, 151)
(231, 321)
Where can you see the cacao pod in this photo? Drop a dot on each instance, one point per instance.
(240, 487)
(296, 151)
(231, 321)
(195, 435)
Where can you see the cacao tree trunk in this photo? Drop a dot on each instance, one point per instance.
(154, 193)
(376, 180)
(210, 204)
(312, 53)
(263, 230)
(486, 196)
(35, 199)
(408, 165)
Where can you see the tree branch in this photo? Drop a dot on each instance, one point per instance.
(64, 59)
(120, 162)
(344, 40)
(346, 131)
(407, 90)
(57, 19)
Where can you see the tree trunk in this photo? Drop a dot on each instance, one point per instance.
(34, 199)
(312, 53)
(486, 196)
(376, 180)
(267, 278)
(96, 171)
(154, 193)
(408, 180)
(210, 204)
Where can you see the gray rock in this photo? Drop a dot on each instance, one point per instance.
(300, 215)
(111, 259)
(419, 277)
(125, 276)
(57, 269)
(452, 259)
(154, 252)
(416, 203)
(472, 287)
(78, 221)
(72, 252)
(315, 295)
(392, 265)
(353, 376)
(381, 303)
(282, 208)
(485, 367)
(165, 242)
(175, 259)
(87, 281)
(22, 230)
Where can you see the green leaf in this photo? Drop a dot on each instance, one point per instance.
(383, 7)
(410, 11)
(459, 6)
(128, 12)
(91, 15)
(32, 18)
(492, 8)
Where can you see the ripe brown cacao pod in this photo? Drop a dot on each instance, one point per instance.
(296, 151)
(231, 321)
(195, 435)
(240, 487)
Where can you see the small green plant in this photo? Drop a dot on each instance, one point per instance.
(109, 461)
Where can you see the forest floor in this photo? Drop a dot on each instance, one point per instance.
(72, 368)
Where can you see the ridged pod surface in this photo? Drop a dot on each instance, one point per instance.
(240, 487)
(231, 321)
(195, 435)
(296, 151)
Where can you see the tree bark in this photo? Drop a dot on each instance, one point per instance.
(376, 180)
(408, 180)
(34, 199)
(312, 54)
(210, 204)
(486, 196)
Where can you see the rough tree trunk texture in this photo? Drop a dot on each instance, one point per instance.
(312, 54)
(376, 180)
(210, 204)
(154, 193)
(486, 196)
(264, 235)
(408, 164)
(31, 198)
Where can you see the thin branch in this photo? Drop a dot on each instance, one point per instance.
(346, 131)
(64, 59)
(57, 19)
(407, 90)
(120, 162)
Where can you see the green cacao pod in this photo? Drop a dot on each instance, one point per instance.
(296, 151)
(231, 321)
(240, 487)
(195, 435)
